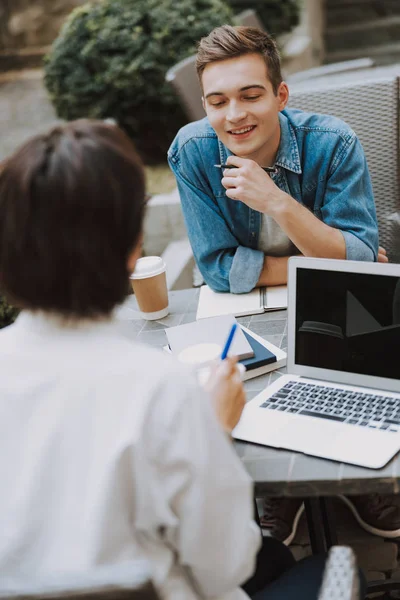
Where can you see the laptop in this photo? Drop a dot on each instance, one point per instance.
(340, 398)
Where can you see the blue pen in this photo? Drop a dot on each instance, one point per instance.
(228, 342)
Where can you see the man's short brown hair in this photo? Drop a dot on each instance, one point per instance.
(71, 212)
(231, 42)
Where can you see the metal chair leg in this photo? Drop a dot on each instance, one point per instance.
(387, 585)
(315, 525)
(329, 522)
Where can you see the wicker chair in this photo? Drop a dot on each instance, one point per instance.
(340, 581)
(331, 69)
(183, 78)
(368, 100)
(248, 18)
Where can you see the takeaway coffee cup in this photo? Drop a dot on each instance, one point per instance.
(149, 284)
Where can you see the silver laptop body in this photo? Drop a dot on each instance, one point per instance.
(341, 397)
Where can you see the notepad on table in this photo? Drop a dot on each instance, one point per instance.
(208, 336)
(259, 300)
(267, 357)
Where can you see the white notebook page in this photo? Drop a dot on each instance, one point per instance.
(212, 304)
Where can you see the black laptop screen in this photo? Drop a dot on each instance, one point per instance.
(348, 322)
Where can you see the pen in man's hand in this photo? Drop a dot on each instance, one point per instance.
(266, 169)
(228, 342)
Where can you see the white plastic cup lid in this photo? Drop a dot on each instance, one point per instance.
(148, 266)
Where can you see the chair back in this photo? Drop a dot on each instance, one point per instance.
(184, 80)
(341, 579)
(129, 581)
(248, 18)
(331, 69)
(369, 102)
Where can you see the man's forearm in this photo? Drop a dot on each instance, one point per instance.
(274, 271)
(310, 235)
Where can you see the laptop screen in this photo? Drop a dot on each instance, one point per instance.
(348, 322)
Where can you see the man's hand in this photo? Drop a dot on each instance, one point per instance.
(248, 183)
(382, 258)
(226, 389)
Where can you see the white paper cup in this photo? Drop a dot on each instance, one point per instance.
(149, 284)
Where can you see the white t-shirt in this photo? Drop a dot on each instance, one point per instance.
(110, 452)
(273, 241)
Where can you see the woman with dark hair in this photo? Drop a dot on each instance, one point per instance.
(113, 451)
(110, 451)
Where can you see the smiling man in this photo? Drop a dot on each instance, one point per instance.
(244, 223)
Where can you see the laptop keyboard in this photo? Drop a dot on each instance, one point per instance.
(345, 406)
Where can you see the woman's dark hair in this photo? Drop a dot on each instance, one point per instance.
(71, 212)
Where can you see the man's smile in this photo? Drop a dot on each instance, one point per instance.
(242, 132)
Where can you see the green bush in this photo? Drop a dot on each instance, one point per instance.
(110, 61)
(278, 16)
(8, 313)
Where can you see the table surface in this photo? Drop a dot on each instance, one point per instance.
(274, 472)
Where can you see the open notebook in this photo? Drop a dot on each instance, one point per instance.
(259, 300)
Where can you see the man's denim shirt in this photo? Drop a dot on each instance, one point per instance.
(320, 163)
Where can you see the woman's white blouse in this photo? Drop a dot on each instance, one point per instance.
(109, 451)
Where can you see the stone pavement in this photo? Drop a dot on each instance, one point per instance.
(25, 111)
(24, 108)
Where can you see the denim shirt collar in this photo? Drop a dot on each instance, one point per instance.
(288, 152)
(288, 155)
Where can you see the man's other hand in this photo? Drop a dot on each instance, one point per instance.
(382, 258)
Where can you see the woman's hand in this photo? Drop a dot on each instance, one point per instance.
(226, 389)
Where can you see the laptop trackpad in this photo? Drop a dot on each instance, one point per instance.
(316, 435)
(344, 443)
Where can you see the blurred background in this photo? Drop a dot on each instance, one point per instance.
(164, 33)
(112, 61)
(108, 59)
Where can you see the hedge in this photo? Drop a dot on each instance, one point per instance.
(110, 61)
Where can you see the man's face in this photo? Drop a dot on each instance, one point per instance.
(241, 106)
